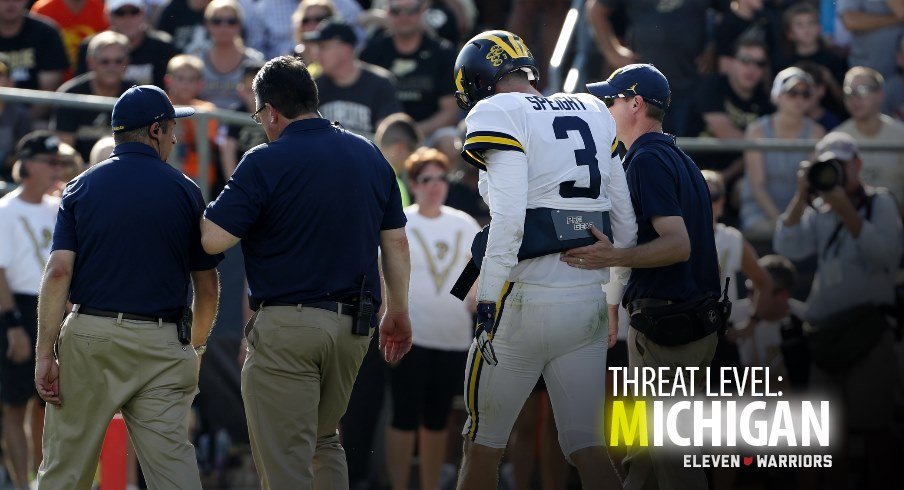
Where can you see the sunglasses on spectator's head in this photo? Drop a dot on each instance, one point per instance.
(747, 60)
(426, 179)
(313, 20)
(861, 90)
(413, 9)
(126, 12)
(229, 21)
(805, 93)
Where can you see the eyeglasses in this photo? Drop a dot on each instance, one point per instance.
(405, 10)
(806, 93)
(313, 20)
(610, 101)
(426, 179)
(860, 90)
(256, 115)
(110, 61)
(746, 60)
(229, 21)
(126, 12)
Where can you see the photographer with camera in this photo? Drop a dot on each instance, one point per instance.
(855, 232)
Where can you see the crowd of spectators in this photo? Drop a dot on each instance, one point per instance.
(738, 69)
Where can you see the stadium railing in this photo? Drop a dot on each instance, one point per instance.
(56, 99)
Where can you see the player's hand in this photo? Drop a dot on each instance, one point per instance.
(486, 328)
(47, 380)
(597, 256)
(395, 336)
(613, 325)
(20, 348)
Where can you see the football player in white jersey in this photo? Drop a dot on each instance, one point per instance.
(548, 169)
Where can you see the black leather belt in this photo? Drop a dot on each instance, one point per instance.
(335, 306)
(84, 310)
(639, 304)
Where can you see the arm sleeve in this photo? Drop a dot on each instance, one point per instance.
(242, 200)
(796, 242)
(64, 235)
(198, 259)
(490, 127)
(507, 184)
(880, 237)
(624, 225)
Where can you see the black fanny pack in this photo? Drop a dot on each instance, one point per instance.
(546, 231)
(672, 324)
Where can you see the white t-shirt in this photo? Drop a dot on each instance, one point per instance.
(440, 248)
(730, 249)
(27, 233)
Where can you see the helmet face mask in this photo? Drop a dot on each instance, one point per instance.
(484, 60)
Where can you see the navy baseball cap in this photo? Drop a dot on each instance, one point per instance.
(640, 79)
(143, 105)
(332, 29)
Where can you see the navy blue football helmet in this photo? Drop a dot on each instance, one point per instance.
(485, 59)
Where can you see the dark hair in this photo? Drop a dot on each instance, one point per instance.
(782, 271)
(750, 41)
(285, 83)
(798, 8)
(137, 135)
(655, 113)
(813, 69)
(395, 128)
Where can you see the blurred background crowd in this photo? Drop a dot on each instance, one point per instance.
(739, 70)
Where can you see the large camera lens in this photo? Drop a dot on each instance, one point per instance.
(824, 176)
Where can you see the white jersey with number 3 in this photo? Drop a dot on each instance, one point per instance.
(546, 152)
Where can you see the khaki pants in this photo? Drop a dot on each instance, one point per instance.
(656, 468)
(296, 381)
(137, 367)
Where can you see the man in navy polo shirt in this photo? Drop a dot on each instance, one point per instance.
(311, 208)
(126, 243)
(674, 264)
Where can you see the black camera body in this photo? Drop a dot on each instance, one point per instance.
(825, 175)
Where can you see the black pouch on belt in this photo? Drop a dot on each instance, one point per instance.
(680, 323)
(183, 326)
(365, 312)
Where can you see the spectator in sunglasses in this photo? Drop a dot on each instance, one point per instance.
(306, 18)
(226, 54)
(770, 175)
(107, 58)
(725, 105)
(149, 50)
(863, 96)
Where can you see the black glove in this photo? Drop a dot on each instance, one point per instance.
(486, 327)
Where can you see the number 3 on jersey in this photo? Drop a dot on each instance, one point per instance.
(586, 156)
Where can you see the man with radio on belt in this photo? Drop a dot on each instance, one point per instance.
(311, 208)
(672, 295)
(126, 243)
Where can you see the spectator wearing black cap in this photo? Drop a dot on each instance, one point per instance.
(357, 95)
(125, 245)
(675, 267)
(27, 217)
(855, 233)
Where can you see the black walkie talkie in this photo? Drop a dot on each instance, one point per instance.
(365, 311)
